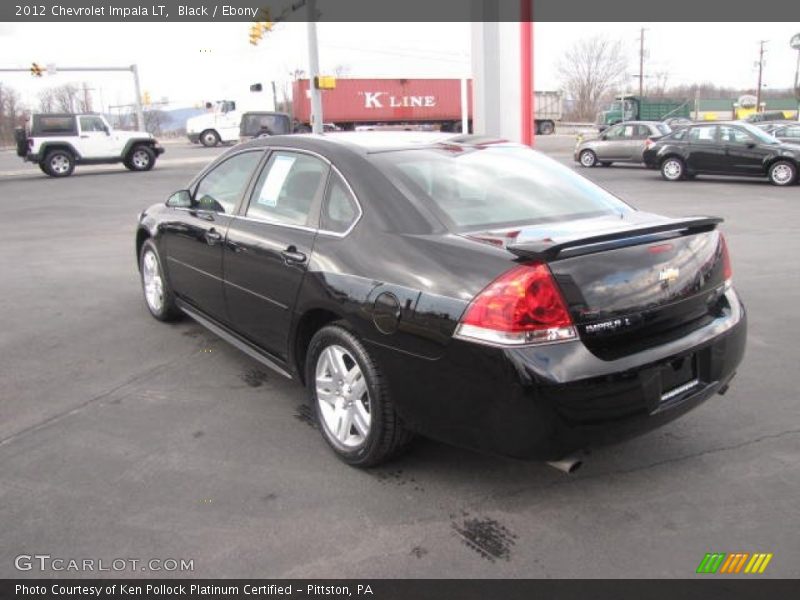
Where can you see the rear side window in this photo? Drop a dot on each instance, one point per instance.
(702, 134)
(287, 188)
(471, 188)
(56, 125)
(340, 210)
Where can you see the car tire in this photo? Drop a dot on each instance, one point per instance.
(59, 163)
(351, 399)
(158, 295)
(209, 138)
(303, 129)
(673, 168)
(546, 128)
(782, 173)
(140, 158)
(42, 168)
(587, 158)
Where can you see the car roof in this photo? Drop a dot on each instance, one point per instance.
(370, 142)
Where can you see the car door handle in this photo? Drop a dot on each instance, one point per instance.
(213, 236)
(292, 256)
(84, 136)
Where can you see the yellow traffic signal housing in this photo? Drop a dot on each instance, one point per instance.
(256, 34)
(146, 98)
(325, 82)
(36, 70)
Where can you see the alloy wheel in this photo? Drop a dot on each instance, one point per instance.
(153, 283)
(343, 398)
(782, 174)
(587, 158)
(672, 169)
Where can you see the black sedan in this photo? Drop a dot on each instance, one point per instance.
(462, 288)
(723, 149)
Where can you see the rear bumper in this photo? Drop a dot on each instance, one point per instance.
(158, 149)
(547, 402)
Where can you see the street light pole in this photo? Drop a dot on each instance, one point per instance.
(795, 44)
(760, 70)
(313, 69)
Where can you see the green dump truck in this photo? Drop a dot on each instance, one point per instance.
(638, 108)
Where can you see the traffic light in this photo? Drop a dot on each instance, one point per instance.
(256, 34)
(325, 82)
(258, 29)
(146, 98)
(36, 70)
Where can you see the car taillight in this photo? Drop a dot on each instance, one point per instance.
(522, 306)
(648, 143)
(727, 270)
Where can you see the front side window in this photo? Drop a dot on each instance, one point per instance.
(287, 187)
(92, 124)
(222, 187)
(734, 135)
(471, 188)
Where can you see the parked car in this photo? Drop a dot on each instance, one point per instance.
(59, 142)
(787, 132)
(767, 115)
(724, 149)
(463, 288)
(677, 122)
(623, 142)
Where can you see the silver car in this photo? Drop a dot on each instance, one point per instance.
(624, 142)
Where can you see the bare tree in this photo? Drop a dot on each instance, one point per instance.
(12, 113)
(47, 102)
(659, 87)
(341, 71)
(590, 71)
(154, 121)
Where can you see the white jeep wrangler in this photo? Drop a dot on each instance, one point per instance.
(57, 142)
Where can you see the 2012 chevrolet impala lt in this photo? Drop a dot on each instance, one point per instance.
(463, 288)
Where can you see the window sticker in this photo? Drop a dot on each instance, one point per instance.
(276, 177)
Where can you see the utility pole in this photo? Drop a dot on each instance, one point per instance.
(313, 69)
(641, 62)
(760, 71)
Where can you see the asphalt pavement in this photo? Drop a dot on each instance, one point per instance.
(122, 437)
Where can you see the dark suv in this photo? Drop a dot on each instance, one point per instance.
(723, 149)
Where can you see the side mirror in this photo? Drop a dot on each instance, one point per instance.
(180, 199)
(107, 129)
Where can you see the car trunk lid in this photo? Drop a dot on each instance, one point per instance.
(631, 281)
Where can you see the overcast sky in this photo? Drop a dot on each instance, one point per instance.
(192, 63)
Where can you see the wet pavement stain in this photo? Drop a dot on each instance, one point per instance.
(398, 478)
(487, 537)
(269, 497)
(418, 551)
(306, 415)
(254, 377)
(198, 434)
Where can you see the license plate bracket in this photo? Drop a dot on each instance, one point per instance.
(678, 377)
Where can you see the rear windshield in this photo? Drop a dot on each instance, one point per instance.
(497, 186)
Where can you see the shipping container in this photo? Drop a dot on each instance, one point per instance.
(405, 103)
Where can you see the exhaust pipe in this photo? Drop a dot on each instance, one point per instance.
(568, 464)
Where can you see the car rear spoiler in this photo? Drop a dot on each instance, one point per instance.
(548, 250)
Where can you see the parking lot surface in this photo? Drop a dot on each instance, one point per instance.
(122, 437)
